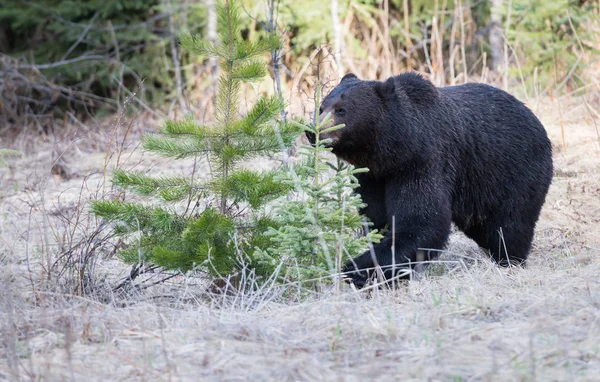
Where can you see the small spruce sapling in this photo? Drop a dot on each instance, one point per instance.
(321, 227)
(208, 223)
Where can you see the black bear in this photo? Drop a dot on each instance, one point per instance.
(469, 154)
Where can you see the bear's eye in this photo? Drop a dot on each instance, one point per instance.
(340, 111)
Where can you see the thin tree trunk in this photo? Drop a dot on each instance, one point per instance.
(496, 40)
(389, 56)
(211, 34)
(505, 40)
(338, 38)
(276, 53)
(408, 47)
(176, 57)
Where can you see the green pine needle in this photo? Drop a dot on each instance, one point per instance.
(186, 127)
(168, 188)
(170, 148)
(256, 189)
(262, 112)
(249, 49)
(229, 24)
(201, 47)
(136, 217)
(249, 72)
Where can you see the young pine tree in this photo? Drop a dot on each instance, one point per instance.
(321, 227)
(172, 232)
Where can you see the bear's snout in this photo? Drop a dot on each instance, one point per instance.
(333, 135)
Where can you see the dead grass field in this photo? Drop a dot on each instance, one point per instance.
(467, 321)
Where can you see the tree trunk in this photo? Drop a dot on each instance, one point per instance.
(408, 45)
(338, 38)
(496, 39)
(211, 35)
(176, 57)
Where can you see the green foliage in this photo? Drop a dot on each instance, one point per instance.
(134, 217)
(88, 45)
(246, 186)
(210, 238)
(541, 32)
(167, 188)
(321, 227)
(4, 153)
(232, 221)
(547, 33)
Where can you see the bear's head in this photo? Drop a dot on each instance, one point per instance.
(355, 104)
(377, 116)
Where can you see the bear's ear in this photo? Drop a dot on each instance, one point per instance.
(418, 89)
(349, 76)
(386, 89)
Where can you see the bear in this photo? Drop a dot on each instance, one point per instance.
(470, 154)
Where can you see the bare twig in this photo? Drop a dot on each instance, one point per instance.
(85, 57)
(81, 37)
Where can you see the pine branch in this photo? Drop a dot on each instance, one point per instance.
(170, 189)
(248, 49)
(249, 71)
(263, 111)
(246, 186)
(135, 216)
(187, 126)
(227, 101)
(229, 22)
(201, 47)
(178, 149)
(210, 237)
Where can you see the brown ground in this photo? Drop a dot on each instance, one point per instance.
(472, 322)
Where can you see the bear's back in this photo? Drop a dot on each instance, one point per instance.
(490, 117)
(503, 149)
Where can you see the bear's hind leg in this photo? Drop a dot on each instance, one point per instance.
(508, 243)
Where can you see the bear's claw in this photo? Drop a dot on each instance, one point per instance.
(359, 278)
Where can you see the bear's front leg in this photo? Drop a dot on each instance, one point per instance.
(419, 216)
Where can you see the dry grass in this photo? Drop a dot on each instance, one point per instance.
(469, 320)
(481, 324)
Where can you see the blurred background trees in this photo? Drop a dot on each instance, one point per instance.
(86, 58)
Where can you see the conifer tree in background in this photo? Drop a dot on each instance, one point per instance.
(321, 227)
(221, 216)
